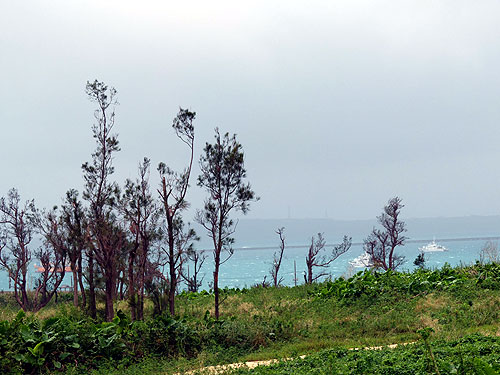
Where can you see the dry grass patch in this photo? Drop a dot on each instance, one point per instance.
(432, 303)
(233, 305)
(428, 322)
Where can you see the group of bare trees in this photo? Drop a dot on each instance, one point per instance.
(116, 241)
(315, 257)
(380, 246)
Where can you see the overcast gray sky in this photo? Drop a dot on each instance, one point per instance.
(339, 105)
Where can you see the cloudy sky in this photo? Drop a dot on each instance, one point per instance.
(339, 105)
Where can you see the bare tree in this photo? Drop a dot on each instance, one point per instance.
(381, 244)
(277, 258)
(184, 246)
(155, 283)
(52, 272)
(193, 281)
(489, 253)
(222, 176)
(103, 235)
(172, 192)
(18, 225)
(58, 235)
(73, 222)
(314, 259)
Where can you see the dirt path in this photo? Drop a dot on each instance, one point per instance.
(214, 370)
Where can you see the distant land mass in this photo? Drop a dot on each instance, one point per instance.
(261, 232)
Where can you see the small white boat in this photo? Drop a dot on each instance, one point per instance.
(362, 261)
(432, 247)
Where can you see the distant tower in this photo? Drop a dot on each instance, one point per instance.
(289, 212)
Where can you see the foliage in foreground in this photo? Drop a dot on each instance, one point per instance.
(28, 345)
(473, 354)
(372, 284)
(258, 323)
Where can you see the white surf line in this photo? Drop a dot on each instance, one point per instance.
(218, 369)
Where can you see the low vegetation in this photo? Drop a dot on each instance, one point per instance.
(472, 354)
(459, 305)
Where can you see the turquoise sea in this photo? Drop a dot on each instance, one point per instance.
(249, 266)
(256, 241)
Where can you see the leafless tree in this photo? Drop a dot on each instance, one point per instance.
(18, 225)
(173, 190)
(185, 236)
(71, 225)
(381, 244)
(223, 177)
(314, 259)
(63, 231)
(103, 234)
(277, 258)
(489, 253)
(155, 283)
(193, 281)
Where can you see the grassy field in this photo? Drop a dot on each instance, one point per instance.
(264, 323)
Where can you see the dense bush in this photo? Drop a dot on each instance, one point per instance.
(372, 284)
(28, 345)
(244, 334)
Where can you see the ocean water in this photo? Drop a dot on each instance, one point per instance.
(248, 267)
(250, 264)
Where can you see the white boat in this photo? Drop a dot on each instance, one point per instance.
(362, 261)
(432, 247)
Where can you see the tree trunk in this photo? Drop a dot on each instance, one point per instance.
(140, 306)
(131, 287)
(216, 286)
(92, 301)
(80, 281)
(110, 289)
(140, 286)
(171, 263)
(75, 285)
(171, 290)
(24, 296)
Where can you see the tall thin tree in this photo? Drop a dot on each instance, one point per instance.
(278, 258)
(223, 177)
(173, 190)
(101, 194)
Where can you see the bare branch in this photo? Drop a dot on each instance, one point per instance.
(380, 245)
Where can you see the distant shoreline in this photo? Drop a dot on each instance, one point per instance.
(457, 239)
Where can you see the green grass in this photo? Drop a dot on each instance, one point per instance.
(472, 354)
(266, 323)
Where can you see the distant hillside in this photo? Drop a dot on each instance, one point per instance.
(261, 232)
